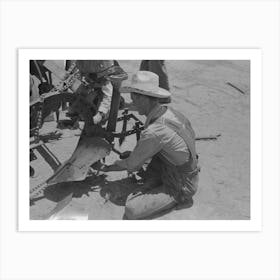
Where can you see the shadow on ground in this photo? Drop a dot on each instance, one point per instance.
(59, 191)
(115, 192)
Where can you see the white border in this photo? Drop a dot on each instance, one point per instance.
(254, 224)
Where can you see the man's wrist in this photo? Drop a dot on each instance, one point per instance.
(112, 167)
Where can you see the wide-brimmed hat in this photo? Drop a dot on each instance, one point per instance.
(146, 83)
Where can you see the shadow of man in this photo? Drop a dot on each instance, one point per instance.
(117, 191)
(121, 191)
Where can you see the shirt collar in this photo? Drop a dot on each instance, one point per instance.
(154, 114)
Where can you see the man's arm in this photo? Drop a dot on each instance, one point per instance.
(105, 103)
(147, 147)
(113, 167)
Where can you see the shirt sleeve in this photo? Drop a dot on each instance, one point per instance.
(105, 104)
(147, 146)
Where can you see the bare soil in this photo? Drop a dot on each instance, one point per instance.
(215, 96)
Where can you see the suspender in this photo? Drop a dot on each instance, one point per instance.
(185, 135)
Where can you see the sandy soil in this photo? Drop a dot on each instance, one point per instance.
(201, 91)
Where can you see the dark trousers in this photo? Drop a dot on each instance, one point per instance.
(158, 67)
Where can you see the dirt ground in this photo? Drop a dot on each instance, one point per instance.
(215, 96)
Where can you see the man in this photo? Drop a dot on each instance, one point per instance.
(158, 67)
(94, 73)
(169, 140)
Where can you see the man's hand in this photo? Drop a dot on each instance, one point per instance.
(113, 167)
(97, 165)
(97, 118)
(105, 168)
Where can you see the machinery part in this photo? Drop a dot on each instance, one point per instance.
(55, 69)
(32, 156)
(40, 76)
(130, 116)
(125, 154)
(31, 171)
(125, 119)
(44, 151)
(59, 207)
(208, 137)
(112, 120)
(39, 123)
(49, 157)
(84, 104)
(37, 191)
(68, 79)
(138, 129)
(88, 151)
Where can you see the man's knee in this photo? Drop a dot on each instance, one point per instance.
(141, 206)
(132, 206)
(130, 213)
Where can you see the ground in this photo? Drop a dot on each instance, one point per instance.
(215, 97)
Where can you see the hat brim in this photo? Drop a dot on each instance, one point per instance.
(160, 93)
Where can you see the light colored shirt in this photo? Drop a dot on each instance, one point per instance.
(105, 103)
(157, 137)
(92, 66)
(34, 89)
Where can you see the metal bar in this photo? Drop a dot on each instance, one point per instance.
(138, 130)
(112, 120)
(39, 71)
(50, 158)
(125, 115)
(35, 145)
(136, 119)
(241, 91)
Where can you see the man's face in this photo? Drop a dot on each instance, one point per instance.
(138, 102)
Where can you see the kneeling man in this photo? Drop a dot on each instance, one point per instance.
(168, 140)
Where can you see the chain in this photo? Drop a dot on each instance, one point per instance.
(39, 121)
(37, 190)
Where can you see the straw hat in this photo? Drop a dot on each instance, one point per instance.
(146, 83)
